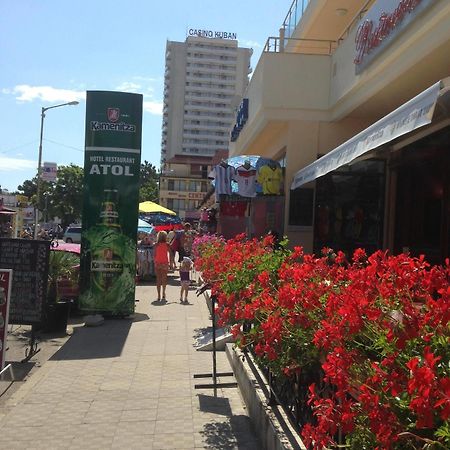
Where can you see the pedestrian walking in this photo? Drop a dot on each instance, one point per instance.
(173, 244)
(186, 240)
(161, 259)
(185, 278)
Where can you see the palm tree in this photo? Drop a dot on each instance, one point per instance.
(61, 265)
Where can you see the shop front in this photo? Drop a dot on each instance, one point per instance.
(422, 197)
(384, 189)
(249, 194)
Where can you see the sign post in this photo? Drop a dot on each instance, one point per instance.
(5, 295)
(110, 202)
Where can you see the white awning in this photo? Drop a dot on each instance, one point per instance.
(414, 114)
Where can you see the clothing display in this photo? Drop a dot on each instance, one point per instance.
(233, 208)
(144, 262)
(223, 174)
(270, 177)
(245, 177)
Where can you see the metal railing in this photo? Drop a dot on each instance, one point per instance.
(296, 12)
(279, 44)
(293, 16)
(292, 393)
(359, 15)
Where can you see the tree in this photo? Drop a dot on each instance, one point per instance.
(62, 198)
(28, 188)
(66, 195)
(148, 183)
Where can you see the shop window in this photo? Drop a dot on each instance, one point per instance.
(301, 205)
(349, 207)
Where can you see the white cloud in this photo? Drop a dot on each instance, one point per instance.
(141, 88)
(27, 93)
(252, 44)
(8, 164)
(142, 85)
(153, 107)
(129, 86)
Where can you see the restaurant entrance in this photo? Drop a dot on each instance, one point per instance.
(422, 224)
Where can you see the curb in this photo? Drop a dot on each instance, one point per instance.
(271, 424)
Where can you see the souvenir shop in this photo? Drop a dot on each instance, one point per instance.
(397, 195)
(249, 194)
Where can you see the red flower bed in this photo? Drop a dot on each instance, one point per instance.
(378, 325)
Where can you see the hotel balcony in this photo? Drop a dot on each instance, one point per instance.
(315, 78)
(284, 87)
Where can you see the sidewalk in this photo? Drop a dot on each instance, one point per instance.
(129, 384)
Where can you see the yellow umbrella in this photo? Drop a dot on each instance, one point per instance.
(151, 207)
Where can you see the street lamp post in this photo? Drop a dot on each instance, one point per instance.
(38, 184)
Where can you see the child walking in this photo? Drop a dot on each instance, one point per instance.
(185, 279)
(161, 258)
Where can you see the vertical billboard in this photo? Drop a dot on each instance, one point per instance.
(110, 202)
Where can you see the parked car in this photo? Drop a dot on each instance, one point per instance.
(72, 234)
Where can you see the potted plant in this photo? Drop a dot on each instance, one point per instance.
(62, 266)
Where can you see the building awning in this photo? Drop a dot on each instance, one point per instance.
(414, 114)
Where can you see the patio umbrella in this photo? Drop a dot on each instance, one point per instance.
(66, 247)
(145, 227)
(151, 207)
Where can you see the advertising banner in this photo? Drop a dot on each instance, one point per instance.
(5, 293)
(110, 202)
(49, 171)
(414, 114)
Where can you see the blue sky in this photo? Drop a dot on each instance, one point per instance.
(52, 51)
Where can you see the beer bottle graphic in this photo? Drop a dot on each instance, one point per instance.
(106, 257)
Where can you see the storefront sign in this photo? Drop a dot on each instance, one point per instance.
(410, 116)
(196, 195)
(241, 119)
(175, 194)
(383, 23)
(111, 197)
(5, 295)
(212, 34)
(185, 195)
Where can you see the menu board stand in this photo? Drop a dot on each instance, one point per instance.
(29, 261)
(33, 346)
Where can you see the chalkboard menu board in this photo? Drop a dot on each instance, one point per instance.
(29, 261)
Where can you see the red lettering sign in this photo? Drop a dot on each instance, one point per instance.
(369, 37)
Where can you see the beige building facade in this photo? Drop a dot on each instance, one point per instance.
(336, 69)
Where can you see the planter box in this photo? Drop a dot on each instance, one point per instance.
(272, 426)
(57, 315)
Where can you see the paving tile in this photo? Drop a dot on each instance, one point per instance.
(130, 385)
(138, 415)
(173, 441)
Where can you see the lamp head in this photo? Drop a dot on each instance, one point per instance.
(73, 103)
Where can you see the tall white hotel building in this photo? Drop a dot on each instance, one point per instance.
(205, 80)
